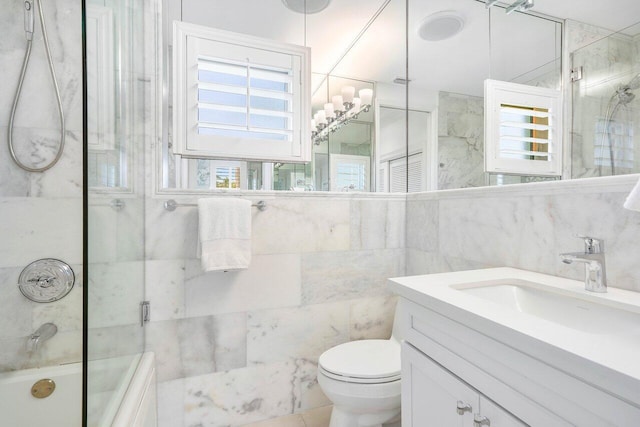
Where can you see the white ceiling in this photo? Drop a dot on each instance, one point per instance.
(613, 15)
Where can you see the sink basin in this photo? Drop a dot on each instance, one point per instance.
(549, 304)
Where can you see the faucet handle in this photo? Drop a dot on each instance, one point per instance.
(592, 245)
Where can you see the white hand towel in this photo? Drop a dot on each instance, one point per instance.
(225, 233)
(633, 199)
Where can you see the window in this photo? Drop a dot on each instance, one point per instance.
(207, 174)
(349, 173)
(522, 129)
(240, 97)
(615, 139)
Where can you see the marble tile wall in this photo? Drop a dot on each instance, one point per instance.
(460, 141)
(239, 347)
(525, 229)
(40, 213)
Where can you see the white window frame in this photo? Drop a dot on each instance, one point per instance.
(498, 93)
(190, 41)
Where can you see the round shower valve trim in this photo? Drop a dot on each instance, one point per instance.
(46, 280)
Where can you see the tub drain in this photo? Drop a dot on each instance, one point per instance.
(43, 388)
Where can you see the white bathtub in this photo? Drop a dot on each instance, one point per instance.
(63, 408)
(134, 405)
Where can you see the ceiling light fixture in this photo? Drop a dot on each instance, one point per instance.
(306, 6)
(441, 26)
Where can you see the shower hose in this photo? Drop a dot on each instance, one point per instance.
(25, 64)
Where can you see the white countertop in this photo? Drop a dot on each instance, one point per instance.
(608, 361)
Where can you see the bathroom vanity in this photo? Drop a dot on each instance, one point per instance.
(508, 347)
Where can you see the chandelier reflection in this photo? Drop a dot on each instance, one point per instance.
(339, 112)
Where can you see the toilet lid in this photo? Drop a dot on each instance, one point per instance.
(370, 359)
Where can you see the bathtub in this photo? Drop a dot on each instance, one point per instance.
(132, 405)
(63, 408)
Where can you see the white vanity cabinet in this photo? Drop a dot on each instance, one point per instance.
(433, 396)
(512, 368)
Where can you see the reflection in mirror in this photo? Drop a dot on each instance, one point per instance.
(605, 106)
(110, 98)
(454, 46)
(368, 52)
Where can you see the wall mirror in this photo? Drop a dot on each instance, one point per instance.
(429, 130)
(419, 135)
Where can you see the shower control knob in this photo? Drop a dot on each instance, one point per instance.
(46, 280)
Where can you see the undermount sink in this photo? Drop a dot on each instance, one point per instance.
(578, 311)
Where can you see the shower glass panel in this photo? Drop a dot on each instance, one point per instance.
(606, 111)
(120, 82)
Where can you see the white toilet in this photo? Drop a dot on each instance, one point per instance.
(362, 379)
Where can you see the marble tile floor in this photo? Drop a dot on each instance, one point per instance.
(318, 417)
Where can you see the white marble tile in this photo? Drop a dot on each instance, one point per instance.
(164, 288)
(65, 313)
(334, 276)
(16, 309)
(307, 391)
(422, 224)
(295, 333)
(130, 243)
(372, 318)
(377, 224)
(115, 341)
(170, 235)
(14, 181)
(240, 396)
(460, 163)
(64, 347)
(171, 405)
(115, 291)
(34, 228)
(65, 178)
(64, 27)
(197, 346)
(507, 231)
(103, 231)
(271, 281)
(420, 262)
(302, 224)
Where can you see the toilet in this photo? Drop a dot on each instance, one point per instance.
(362, 379)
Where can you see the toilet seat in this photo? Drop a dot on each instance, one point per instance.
(362, 362)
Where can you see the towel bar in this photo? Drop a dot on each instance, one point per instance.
(171, 205)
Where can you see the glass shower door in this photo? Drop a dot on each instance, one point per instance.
(606, 111)
(119, 86)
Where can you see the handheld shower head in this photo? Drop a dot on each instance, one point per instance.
(28, 19)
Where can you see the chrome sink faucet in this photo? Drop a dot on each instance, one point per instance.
(593, 257)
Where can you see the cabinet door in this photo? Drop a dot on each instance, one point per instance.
(498, 416)
(430, 394)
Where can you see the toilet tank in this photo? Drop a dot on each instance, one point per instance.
(400, 321)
